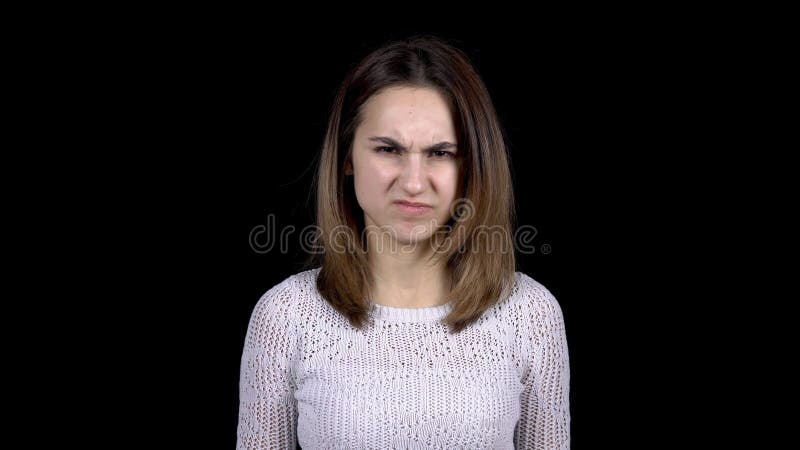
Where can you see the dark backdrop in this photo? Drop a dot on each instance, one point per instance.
(224, 127)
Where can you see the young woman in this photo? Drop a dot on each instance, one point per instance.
(413, 328)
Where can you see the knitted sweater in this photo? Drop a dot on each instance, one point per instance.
(309, 377)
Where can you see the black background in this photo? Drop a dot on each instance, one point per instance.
(219, 127)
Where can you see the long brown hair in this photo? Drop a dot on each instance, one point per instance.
(479, 277)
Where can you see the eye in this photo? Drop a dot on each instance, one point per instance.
(442, 154)
(385, 149)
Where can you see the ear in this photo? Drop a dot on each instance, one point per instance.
(348, 168)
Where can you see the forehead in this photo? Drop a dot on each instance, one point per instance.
(412, 109)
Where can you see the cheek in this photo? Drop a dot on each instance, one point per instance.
(448, 182)
(372, 173)
(370, 183)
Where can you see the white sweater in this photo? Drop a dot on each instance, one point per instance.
(309, 377)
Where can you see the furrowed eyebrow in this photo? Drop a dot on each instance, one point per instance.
(391, 142)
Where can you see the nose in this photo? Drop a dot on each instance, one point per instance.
(413, 177)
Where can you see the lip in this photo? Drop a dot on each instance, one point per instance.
(403, 202)
(412, 208)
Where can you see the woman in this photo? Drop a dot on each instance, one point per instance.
(413, 329)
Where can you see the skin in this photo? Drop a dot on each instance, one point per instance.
(398, 243)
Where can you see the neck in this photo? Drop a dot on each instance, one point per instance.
(406, 279)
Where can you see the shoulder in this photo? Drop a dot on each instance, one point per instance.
(532, 302)
(280, 303)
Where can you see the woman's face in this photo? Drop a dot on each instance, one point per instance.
(405, 150)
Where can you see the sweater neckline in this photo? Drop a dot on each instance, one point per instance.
(397, 314)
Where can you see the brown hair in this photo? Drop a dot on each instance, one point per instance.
(479, 278)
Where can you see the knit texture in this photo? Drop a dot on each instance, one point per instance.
(309, 377)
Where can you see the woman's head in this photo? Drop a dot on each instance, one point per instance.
(395, 115)
(405, 149)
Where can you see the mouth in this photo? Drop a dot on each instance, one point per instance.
(412, 208)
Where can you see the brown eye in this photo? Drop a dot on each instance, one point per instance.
(385, 149)
(442, 154)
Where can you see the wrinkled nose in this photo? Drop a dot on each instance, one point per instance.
(413, 177)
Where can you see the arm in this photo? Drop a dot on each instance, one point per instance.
(545, 418)
(267, 407)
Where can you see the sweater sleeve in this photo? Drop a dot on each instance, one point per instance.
(267, 407)
(545, 417)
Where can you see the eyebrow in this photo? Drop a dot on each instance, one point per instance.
(389, 141)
